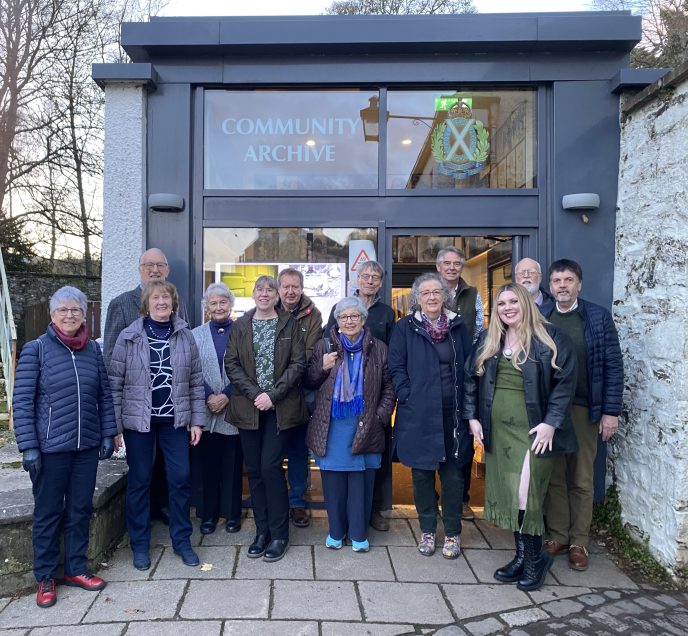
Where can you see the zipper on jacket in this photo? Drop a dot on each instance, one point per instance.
(78, 394)
(50, 419)
(456, 398)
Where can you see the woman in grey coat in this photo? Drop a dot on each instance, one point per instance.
(219, 451)
(157, 389)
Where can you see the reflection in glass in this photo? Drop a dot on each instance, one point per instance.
(287, 140)
(327, 257)
(462, 139)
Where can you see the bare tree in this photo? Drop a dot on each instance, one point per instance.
(399, 7)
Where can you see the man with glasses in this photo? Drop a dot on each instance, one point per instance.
(122, 311)
(465, 301)
(309, 320)
(529, 274)
(380, 321)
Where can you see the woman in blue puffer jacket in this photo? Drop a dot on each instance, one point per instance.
(64, 422)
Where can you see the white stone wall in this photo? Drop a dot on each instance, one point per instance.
(124, 188)
(650, 453)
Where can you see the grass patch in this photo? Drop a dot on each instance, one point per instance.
(634, 557)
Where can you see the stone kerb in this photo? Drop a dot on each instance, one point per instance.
(650, 453)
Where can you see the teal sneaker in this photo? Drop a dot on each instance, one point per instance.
(360, 546)
(333, 544)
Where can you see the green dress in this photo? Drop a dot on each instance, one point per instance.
(510, 443)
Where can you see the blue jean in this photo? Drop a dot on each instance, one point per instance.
(174, 443)
(297, 471)
(63, 494)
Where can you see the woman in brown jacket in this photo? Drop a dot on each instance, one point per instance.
(265, 361)
(346, 432)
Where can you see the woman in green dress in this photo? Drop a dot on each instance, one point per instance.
(519, 385)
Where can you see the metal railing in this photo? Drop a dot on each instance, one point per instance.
(8, 337)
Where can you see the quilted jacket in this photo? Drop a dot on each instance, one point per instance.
(378, 396)
(289, 361)
(62, 399)
(130, 379)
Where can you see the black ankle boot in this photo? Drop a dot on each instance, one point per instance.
(513, 570)
(537, 563)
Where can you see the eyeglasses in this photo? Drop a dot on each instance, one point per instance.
(213, 304)
(375, 278)
(527, 273)
(427, 293)
(456, 264)
(74, 311)
(152, 266)
(349, 318)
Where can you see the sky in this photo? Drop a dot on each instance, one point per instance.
(315, 7)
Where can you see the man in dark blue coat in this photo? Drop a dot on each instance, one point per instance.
(596, 408)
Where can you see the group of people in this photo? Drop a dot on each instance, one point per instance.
(534, 388)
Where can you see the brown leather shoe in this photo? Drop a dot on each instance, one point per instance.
(379, 522)
(578, 558)
(300, 517)
(554, 547)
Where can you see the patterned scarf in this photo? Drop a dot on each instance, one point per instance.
(347, 398)
(439, 331)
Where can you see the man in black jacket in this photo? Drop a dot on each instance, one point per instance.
(596, 408)
(380, 321)
(529, 274)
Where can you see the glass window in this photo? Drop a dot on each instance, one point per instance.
(461, 139)
(329, 259)
(288, 140)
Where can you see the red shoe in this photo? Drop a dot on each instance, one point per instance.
(85, 581)
(46, 593)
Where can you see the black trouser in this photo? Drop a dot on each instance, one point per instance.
(63, 496)
(221, 464)
(382, 492)
(263, 453)
(468, 467)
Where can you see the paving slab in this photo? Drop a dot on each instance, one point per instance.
(72, 604)
(485, 562)
(119, 566)
(136, 601)
(399, 533)
(556, 592)
(14, 632)
(160, 534)
(316, 600)
(523, 617)
(313, 534)
(478, 600)
(216, 563)
(404, 602)
(226, 599)
(365, 629)
(410, 565)
(347, 565)
(4, 602)
(270, 628)
(497, 538)
(484, 627)
(471, 537)
(564, 607)
(297, 563)
(601, 573)
(175, 628)
(106, 629)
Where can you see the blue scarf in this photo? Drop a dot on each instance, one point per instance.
(347, 398)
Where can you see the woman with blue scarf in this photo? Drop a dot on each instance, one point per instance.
(346, 431)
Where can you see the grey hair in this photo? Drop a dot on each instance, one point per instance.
(424, 278)
(450, 250)
(266, 280)
(68, 293)
(351, 302)
(375, 266)
(217, 289)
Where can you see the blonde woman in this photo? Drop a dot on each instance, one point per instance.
(518, 389)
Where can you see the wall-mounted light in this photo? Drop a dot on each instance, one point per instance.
(164, 202)
(581, 202)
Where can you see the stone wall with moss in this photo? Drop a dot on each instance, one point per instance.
(649, 456)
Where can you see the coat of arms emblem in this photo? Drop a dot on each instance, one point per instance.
(460, 144)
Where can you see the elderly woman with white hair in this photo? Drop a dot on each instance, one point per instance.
(426, 359)
(64, 422)
(346, 431)
(219, 450)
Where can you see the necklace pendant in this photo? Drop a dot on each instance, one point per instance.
(508, 352)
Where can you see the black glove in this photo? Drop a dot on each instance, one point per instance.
(31, 462)
(107, 447)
